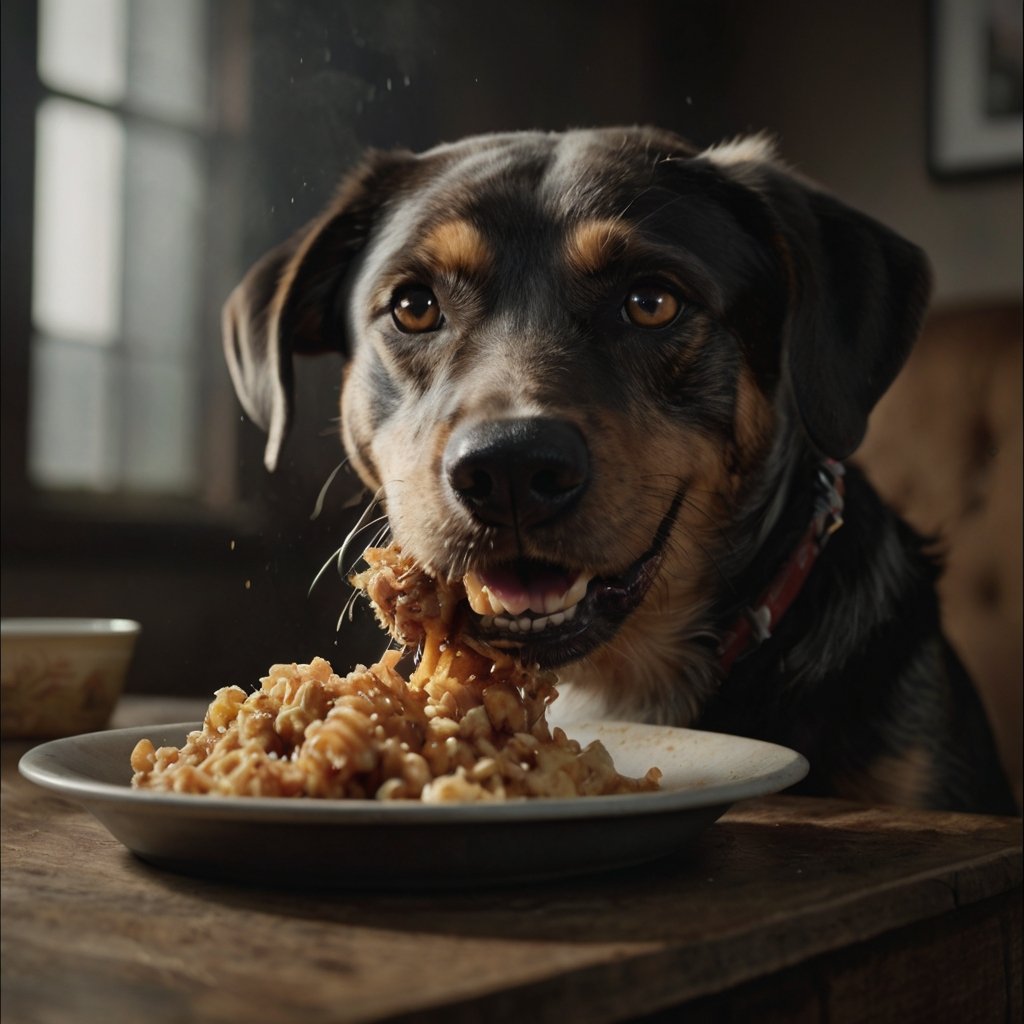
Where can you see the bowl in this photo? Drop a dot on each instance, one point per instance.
(59, 677)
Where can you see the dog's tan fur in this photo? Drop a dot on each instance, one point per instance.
(456, 247)
(590, 247)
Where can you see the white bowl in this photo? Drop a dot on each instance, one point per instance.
(395, 844)
(59, 677)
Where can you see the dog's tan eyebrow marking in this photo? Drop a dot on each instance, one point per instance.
(594, 244)
(456, 247)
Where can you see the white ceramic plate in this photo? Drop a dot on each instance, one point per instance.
(364, 843)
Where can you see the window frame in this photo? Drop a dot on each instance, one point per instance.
(230, 471)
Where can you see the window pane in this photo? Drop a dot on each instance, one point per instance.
(167, 59)
(161, 403)
(78, 222)
(73, 417)
(164, 217)
(82, 47)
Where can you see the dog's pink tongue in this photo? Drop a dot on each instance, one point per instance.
(526, 585)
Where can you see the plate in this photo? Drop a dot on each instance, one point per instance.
(364, 843)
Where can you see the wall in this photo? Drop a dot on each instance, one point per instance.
(845, 86)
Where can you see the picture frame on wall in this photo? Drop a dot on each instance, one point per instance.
(976, 116)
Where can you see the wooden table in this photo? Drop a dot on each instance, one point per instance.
(789, 909)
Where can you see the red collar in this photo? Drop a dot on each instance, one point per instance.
(754, 623)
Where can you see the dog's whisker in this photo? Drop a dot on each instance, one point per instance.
(381, 535)
(348, 609)
(377, 540)
(318, 506)
(352, 535)
(323, 569)
(338, 557)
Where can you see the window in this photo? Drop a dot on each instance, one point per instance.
(118, 397)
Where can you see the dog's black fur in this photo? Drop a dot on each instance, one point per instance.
(607, 356)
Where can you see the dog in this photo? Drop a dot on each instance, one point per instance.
(609, 380)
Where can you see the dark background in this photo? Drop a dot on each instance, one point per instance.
(301, 88)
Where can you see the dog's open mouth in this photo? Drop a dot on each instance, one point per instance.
(550, 615)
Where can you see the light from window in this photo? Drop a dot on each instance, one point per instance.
(73, 426)
(82, 47)
(78, 222)
(116, 400)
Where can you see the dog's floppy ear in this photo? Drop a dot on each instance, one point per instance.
(857, 293)
(284, 304)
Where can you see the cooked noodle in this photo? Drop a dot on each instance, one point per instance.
(469, 724)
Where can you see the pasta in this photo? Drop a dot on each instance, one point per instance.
(468, 725)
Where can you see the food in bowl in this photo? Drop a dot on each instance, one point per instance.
(467, 725)
(60, 677)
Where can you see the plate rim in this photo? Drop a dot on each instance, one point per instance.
(43, 766)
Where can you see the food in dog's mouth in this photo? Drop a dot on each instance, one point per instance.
(467, 725)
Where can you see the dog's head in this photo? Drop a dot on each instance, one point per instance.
(570, 358)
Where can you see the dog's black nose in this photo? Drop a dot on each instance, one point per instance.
(517, 472)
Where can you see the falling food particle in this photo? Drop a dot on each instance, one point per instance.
(389, 85)
(232, 545)
(248, 584)
(407, 80)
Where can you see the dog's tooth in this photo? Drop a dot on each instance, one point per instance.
(513, 625)
(577, 591)
(475, 594)
(570, 612)
(557, 619)
(539, 624)
(525, 624)
(500, 622)
(575, 594)
(487, 621)
(482, 600)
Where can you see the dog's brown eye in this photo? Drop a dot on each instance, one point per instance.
(650, 305)
(416, 310)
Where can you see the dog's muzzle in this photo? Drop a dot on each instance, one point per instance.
(517, 475)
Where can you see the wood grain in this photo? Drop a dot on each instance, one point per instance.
(799, 909)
